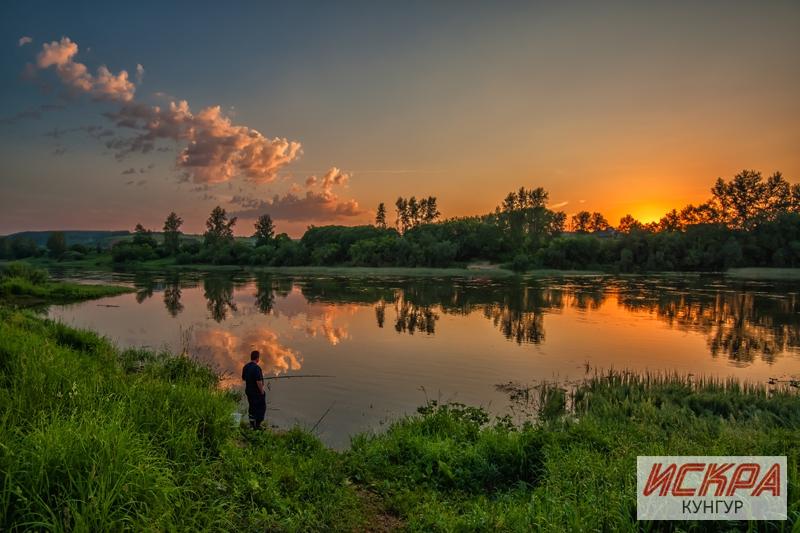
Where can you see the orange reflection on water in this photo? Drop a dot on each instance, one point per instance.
(319, 321)
(229, 351)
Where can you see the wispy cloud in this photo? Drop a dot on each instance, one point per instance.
(24, 40)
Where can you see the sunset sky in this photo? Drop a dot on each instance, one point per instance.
(113, 114)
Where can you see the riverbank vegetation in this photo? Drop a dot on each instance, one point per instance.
(96, 438)
(24, 284)
(749, 221)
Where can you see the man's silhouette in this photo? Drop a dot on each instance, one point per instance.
(254, 389)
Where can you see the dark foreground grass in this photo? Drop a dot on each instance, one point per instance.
(97, 439)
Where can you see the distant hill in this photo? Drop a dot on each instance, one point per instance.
(87, 237)
(94, 237)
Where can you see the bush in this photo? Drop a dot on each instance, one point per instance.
(24, 271)
(124, 252)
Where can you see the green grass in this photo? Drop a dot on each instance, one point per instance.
(93, 438)
(92, 261)
(23, 284)
(453, 469)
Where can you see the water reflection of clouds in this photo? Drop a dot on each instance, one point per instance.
(319, 320)
(229, 351)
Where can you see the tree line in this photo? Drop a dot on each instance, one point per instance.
(748, 220)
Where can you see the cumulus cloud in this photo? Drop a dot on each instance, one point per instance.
(104, 85)
(24, 40)
(139, 73)
(215, 149)
(315, 205)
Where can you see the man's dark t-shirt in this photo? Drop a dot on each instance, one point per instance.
(251, 375)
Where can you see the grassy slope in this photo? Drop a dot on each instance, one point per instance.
(96, 439)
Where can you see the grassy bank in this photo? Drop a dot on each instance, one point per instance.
(94, 438)
(22, 284)
(764, 273)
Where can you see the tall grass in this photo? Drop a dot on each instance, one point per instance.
(21, 283)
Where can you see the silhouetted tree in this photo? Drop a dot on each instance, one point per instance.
(598, 223)
(748, 199)
(628, 224)
(219, 230)
(431, 211)
(380, 216)
(401, 222)
(56, 244)
(671, 222)
(581, 221)
(265, 230)
(172, 233)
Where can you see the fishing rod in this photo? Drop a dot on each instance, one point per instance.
(299, 376)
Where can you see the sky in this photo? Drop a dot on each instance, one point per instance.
(113, 114)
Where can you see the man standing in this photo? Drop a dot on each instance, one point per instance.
(254, 389)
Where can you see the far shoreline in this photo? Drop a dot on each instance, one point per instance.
(474, 270)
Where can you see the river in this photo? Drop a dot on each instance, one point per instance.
(393, 343)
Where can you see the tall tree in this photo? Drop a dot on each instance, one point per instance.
(172, 233)
(380, 216)
(265, 230)
(413, 211)
(219, 230)
(56, 244)
(599, 222)
(581, 221)
(431, 213)
(747, 199)
(401, 222)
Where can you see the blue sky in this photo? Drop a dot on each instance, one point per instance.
(620, 107)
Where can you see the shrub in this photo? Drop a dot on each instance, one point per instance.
(24, 271)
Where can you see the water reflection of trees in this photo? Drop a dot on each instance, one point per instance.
(218, 291)
(172, 295)
(410, 317)
(741, 324)
(265, 293)
(740, 321)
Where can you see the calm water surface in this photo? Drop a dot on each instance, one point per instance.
(393, 342)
